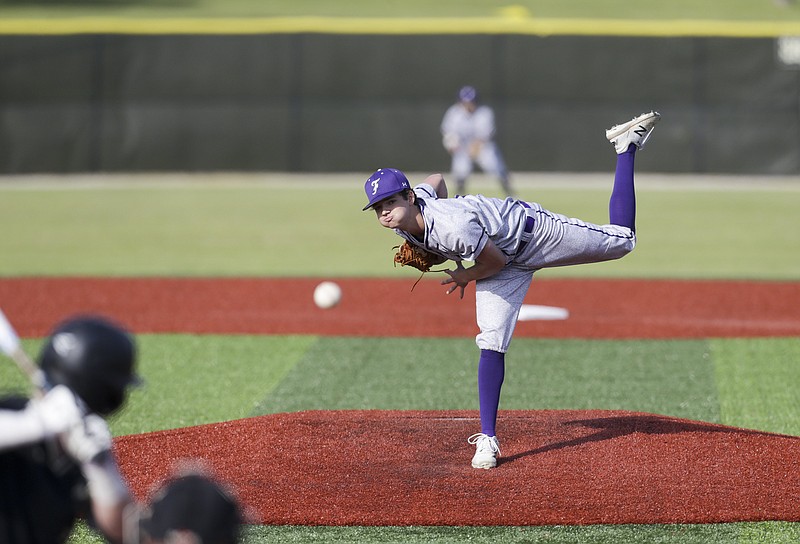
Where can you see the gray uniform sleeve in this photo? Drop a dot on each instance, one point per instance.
(449, 121)
(453, 230)
(483, 120)
(423, 190)
(464, 235)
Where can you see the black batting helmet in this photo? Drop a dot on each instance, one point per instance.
(94, 357)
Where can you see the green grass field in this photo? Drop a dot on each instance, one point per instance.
(287, 226)
(294, 226)
(740, 10)
(734, 18)
(273, 225)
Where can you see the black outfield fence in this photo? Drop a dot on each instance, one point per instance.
(336, 102)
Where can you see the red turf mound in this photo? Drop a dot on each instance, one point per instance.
(412, 468)
(400, 468)
(597, 308)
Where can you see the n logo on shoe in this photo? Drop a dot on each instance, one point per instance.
(640, 130)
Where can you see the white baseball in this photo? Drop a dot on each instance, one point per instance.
(327, 295)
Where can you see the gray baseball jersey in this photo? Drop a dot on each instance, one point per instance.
(530, 236)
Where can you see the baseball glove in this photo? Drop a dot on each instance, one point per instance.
(411, 255)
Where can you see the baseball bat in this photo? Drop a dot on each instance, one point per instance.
(11, 346)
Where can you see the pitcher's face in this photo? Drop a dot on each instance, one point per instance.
(395, 211)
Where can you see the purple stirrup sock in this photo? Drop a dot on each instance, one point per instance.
(622, 206)
(491, 371)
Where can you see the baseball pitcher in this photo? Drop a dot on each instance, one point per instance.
(507, 241)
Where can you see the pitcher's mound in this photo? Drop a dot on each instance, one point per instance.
(413, 468)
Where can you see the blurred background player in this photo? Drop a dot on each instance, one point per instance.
(56, 463)
(468, 131)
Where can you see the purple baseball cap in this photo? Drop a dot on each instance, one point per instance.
(468, 94)
(384, 183)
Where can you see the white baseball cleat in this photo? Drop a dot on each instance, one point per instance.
(636, 131)
(487, 450)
